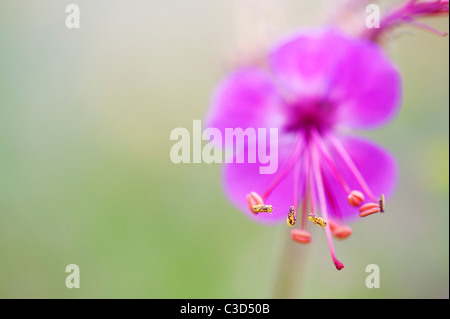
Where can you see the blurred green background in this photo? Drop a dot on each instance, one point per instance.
(86, 178)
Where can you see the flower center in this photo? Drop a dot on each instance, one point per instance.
(309, 160)
(310, 115)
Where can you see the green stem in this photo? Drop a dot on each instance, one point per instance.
(291, 262)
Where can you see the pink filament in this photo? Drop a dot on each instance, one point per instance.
(323, 205)
(287, 167)
(332, 167)
(351, 166)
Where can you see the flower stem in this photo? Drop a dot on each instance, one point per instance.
(291, 262)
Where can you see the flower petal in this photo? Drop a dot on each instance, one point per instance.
(353, 75)
(376, 165)
(246, 98)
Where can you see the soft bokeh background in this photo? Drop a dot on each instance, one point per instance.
(86, 178)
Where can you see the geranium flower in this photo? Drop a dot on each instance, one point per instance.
(318, 86)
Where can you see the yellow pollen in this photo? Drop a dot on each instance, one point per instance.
(317, 220)
(291, 219)
(263, 209)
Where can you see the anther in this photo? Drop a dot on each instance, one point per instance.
(292, 218)
(300, 236)
(342, 232)
(317, 220)
(262, 209)
(333, 225)
(381, 203)
(253, 199)
(368, 209)
(355, 198)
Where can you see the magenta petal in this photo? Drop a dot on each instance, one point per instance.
(246, 98)
(241, 179)
(305, 61)
(356, 77)
(377, 166)
(367, 87)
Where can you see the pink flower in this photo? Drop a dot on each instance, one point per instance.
(318, 84)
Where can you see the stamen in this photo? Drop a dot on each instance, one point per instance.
(293, 159)
(330, 197)
(355, 198)
(292, 217)
(296, 184)
(333, 225)
(323, 204)
(263, 209)
(253, 199)
(304, 211)
(338, 231)
(342, 232)
(312, 191)
(368, 209)
(300, 236)
(351, 165)
(317, 220)
(381, 203)
(327, 156)
(307, 197)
